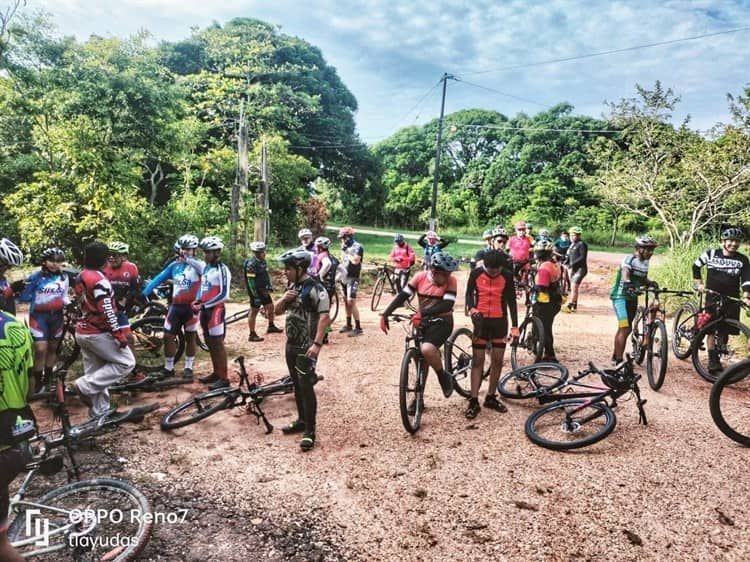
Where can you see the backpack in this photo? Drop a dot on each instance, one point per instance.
(330, 277)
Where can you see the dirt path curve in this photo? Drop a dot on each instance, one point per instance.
(462, 490)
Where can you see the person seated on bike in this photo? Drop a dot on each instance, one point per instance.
(185, 282)
(306, 305)
(577, 264)
(10, 255)
(209, 302)
(102, 339)
(727, 272)
(402, 258)
(431, 243)
(520, 251)
(47, 292)
(259, 287)
(436, 291)
(547, 296)
(125, 281)
(352, 253)
(17, 422)
(632, 274)
(490, 296)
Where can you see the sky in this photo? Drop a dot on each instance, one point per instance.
(392, 54)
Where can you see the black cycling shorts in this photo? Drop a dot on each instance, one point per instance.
(437, 331)
(263, 298)
(731, 309)
(493, 330)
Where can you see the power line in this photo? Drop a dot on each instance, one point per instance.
(519, 98)
(552, 129)
(416, 105)
(609, 52)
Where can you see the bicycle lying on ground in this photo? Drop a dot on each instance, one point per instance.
(248, 395)
(577, 413)
(730, 402)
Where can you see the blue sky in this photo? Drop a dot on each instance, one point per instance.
(390, 54)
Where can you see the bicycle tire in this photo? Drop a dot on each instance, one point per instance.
(114, 497)
(148, 343)
(68, 350)
(457, 356)
(684, 328)
(734, 353)
(410, 388)
(637, 349)
(559, 426)
(532, 380)
(377, 293)
(237, 316)
(657, 355)
(199, 407)
(529, 346)
(334, 310)
(730, 396)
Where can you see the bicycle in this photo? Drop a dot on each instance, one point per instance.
(246, 394)
(730, 396)
(231, 319)
(648, 337)
(684, 328)
(572, 418)
(528, 348)
(386, 274)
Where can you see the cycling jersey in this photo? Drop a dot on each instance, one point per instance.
(638, 275)
(303, 314)
(185, 278)
(402, 256)
(124, 281)
(724, 274)
(215, 282)
(577, 256)
(548, 282)
(98, 308)
(430, 294)
(491, 295)
(16, 359)
(6, 296)
(46, 291)
(520, 248)
(430, 249)
(354, 249)
(256, 276)
(561, 246)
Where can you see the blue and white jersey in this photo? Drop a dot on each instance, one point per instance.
(46, 291)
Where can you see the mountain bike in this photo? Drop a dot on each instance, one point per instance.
(249, 395)
(684, 327)
(386, 280)
(231, 319)
(528, 348)
(730, 402)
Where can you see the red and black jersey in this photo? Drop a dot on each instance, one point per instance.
(492, 295)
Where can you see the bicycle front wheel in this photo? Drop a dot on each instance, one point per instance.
(533, 380)
(730, 403)
(67, 349)
(411, 390)
(120, 513)
(684, 329)
(570, 424)
(457, 354)
(199, 407)
(334, 310)
(637, 349)
(377, 293)
(529, 347)
(148, 343)
(727, 354)
(657, 355)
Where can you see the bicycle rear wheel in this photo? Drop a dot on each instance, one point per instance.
(684, 328)
(67, 349)
(411, 390)
(657, 355)
(570, 424)
(637, 349)
(148, 343)
(334, 310)
(237, 316)
(457, 354)
(377, 293)
(121, 513)
(529, 347)
(730, 403)
(199, 407)
(533, 380)
(729, 354)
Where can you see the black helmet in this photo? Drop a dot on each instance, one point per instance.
(53, 254)
(731, 234)
(646, 241)
(398, 238)
(296, 258)
(441, 260)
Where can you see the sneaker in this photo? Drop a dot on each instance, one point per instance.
(412, 409)
(446, 382)
(221, 383)
(493, 403)
(213, 377)
(273, 329)
(297, 426)
(473, 409)
(345, 329)
(254, 337)
(714, 364)
(308, 441)
(187, 373)
(356, 332)
(163, 372)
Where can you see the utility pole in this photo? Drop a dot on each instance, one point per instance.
(239, 189)
(433, 210)
(261, 197)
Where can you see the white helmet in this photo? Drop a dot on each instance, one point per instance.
(9, 253)
(323, 241)
(211, 243)
(187, 242)
(257, 247)
(304, 233)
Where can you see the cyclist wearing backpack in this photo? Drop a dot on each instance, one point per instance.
(547, 297)
(259, 287)
(402, 257)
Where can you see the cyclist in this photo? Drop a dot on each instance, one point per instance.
(500, 240)
(259, 287)
(431, 243)
(307, 243)
(10, 255)
(123, 276)
(561, 246)
(209, 304)
(544, 234)
(479, 256)
(47, 291)
(547, 296)
(102, 339)
(490, 295)
(352, 253)
(306, 305)
(436, 291)
(520, 251)
(185, 282)
(16, 359)
(402, 256)
(727, 271)
(328, 267)
(577, 265)
(632, 274)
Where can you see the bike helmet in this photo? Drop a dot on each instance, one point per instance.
(211, 243)
(618, 379)
(296, 258)
(645, 241)
(9, 253)
(520, 225)
(487, 234)
(304, 233)
(499, 232)
(575, 230)
(53, 254)
(543, 247)
(323, 241)
(346, 231)
(118, 248)
(176, 247)
(431, 235)
(544, 233)
(398, 238)
(187, 242)
(257, 247)
(443, 261)
(731, 234)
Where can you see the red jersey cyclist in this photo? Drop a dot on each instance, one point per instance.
(520, 251)
(123, 276)
(402, 257)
